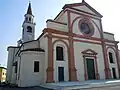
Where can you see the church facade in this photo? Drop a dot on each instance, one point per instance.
(72, 47)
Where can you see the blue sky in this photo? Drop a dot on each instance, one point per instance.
(12, 16)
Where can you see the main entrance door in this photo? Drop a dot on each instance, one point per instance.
(61, 74)
(90, 68)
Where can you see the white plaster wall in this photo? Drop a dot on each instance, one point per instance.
(97, 25)
(108, 36)
(79, 64)
(18, 59)
(9, 64)
(57, 26)
(13, 78)
(42, 41)
(113, 65)
(27, 75)
(61, 63)
(97, 22)
(20, 68)
(44, 45)
(11, 57)
(75, 28)
(96, 31)
(33, 44)
(62, 17)
(73, 16)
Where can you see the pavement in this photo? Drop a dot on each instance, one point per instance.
(85, 85)
(28, 88)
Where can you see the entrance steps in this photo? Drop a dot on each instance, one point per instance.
(85, 85)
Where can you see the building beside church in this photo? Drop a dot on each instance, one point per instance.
(2, 74)
(72, 47)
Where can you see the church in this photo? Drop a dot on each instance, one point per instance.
(72, 47)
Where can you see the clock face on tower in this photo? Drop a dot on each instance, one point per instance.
(86, 27)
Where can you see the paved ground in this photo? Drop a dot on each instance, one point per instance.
(39, 88)
(101, 88)
(36, 88)
(86, 85)
(105, 88)
(30, 88)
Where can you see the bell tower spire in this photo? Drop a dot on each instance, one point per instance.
(83, 1)
(29, 11)
(28, 32)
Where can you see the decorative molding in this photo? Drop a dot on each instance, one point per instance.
(56, 22)
(89, 50)
(109, 33)
(81, 4)
(49, 30)
(83, 14)
(60, 40)
(33, 49)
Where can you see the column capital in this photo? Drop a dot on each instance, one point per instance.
(49, 36)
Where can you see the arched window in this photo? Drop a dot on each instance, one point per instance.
(111, 57)
(59, 53)
(29, 29)
(29, 18)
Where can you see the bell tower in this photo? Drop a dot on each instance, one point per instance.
(28, 25)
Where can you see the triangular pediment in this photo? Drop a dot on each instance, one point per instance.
(83, 7)
(89, 51)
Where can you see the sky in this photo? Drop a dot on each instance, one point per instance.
(12, 15)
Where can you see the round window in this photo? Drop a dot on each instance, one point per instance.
(86, 27)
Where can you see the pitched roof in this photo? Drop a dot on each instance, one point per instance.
(34, 49)
(3, 67)
(82, 4)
